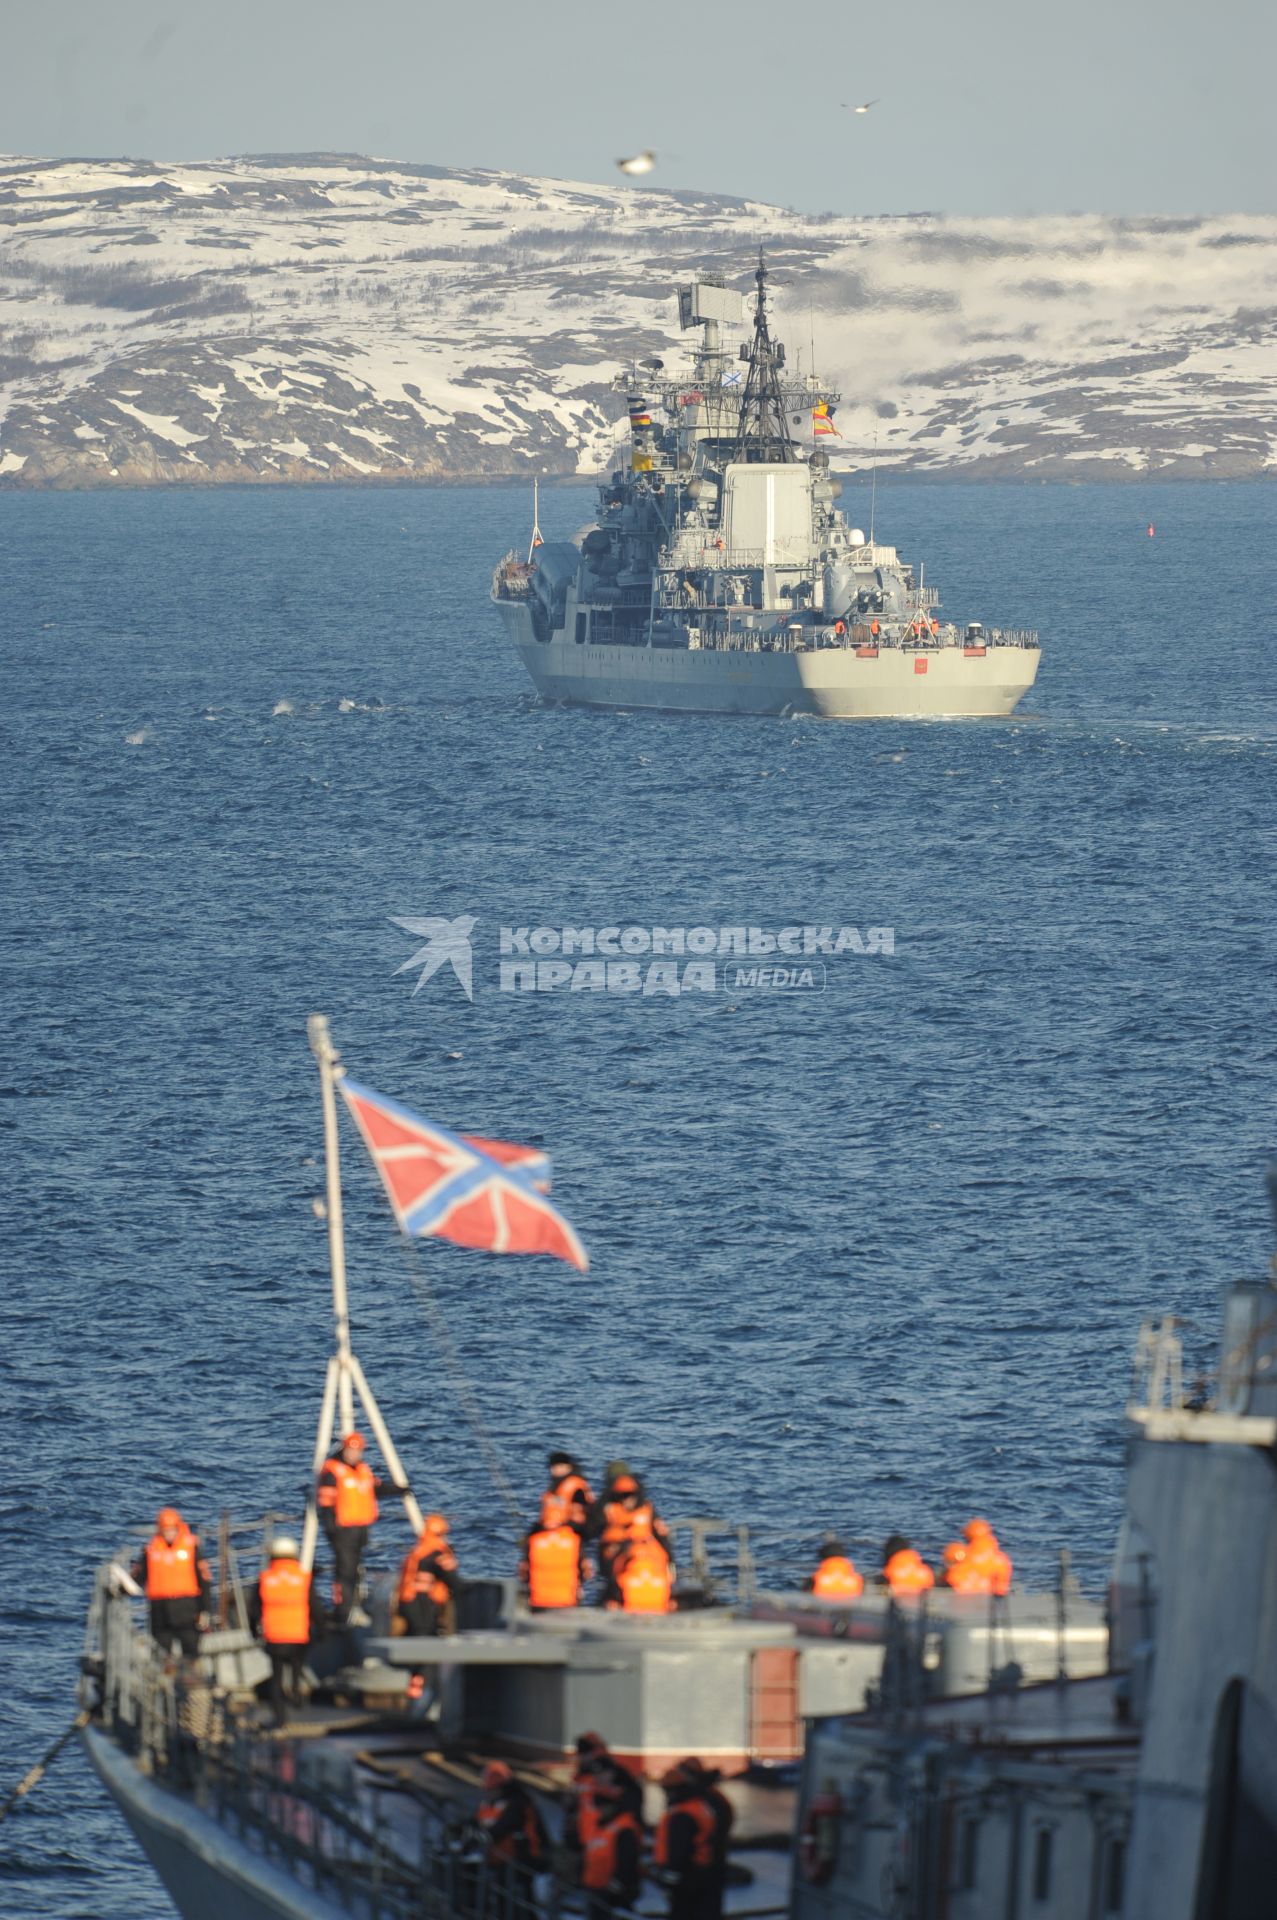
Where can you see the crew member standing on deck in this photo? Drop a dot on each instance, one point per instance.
(568, 1484)
(611, 1865)
(429, 1582)
(708, 1778)
(835, 1578)
(284, 1609)
(347, 1502)
(552, 1567)
(513, 1834)
(903, 1569)
(175, 1578)
(626, 1513)
(684, 1848)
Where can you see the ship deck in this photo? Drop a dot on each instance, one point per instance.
(1072, 1719)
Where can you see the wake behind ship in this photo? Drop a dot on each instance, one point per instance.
(720, 577)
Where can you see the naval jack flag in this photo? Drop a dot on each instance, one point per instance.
(460, 1187)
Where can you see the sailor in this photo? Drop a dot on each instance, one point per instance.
(685, 1846)
(708, 1779)
(903, 1569)
(626, 1509)
(512, 1831)
(985, 1554)
(429, 1582)
(835, 1578)
(611, 1863)
(283, 1607)
(347, 1502)
(596, 1767)
(552, 1567)
(569, 1485)
(642, 1574)
(175, 1577)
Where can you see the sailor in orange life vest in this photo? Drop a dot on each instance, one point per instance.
(511, 1829)
(686, 1848)
(611, 1862)
(976, 1563)
(284, 1609)
(835, 1578)
(429, 1582)
(622, 1510)
(347, 1502)
(568, 1484)
(175, 1577)
(553, 1565)
(641, 1572)
(708, 1778)
(903, 1569)
(596, 1767)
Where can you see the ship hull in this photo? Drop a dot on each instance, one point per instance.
(834, 683)
(207, 1872)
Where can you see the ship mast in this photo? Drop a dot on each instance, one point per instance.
(762, 432)
(345, 1377)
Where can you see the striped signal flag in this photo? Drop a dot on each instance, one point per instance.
(822, 420)
(461, 1187)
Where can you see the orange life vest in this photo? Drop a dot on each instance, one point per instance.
(355, 1493)
(643, 1575)
(285, 1594)
(573, 1489)
(621, 1523)
(416, 1582)
(172, 1569)
(524, 1843)
(702, 1816)
(907, 1572)
(987, 1558)
(554, 1567)
(967, 1576)
(599, 1862)
(836, 1579)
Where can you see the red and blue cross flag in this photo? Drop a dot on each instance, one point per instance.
(460, 1187)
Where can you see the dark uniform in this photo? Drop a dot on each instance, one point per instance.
(175, 1578)
(686, 1846)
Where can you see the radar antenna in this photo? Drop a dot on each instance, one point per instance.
(762, 431)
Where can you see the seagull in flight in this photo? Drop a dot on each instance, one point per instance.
(863, 107)
(641, 163)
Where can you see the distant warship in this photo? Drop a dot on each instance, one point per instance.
(721, 578)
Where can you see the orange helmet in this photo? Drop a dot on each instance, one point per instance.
(168, 1517)
(496, 1774)
(954, 1552)
(978, 1530)
(625, 1484)
(434, 1523)
(353, 1443)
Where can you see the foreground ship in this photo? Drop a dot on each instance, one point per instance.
(960, 1756)
(720, 576)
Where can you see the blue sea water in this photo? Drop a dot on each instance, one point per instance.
(874, 1256)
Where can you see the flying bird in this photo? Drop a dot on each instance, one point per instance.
(641, 163)
(863, 107)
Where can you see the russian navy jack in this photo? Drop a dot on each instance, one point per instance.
(720, 576)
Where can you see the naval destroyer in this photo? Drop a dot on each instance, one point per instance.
(948, 1757)
(720, 576)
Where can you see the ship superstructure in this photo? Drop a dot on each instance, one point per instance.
(721, 576)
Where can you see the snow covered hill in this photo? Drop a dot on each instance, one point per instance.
(327, 317)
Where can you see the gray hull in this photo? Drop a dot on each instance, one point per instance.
(835, 683)
(208, 1873)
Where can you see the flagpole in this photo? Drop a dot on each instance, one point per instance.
(328, 1058)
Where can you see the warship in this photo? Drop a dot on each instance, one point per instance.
(936, 1758)
(720, 576)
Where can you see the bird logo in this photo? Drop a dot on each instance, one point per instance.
(447, 945)
(640, 163)
(862, 106)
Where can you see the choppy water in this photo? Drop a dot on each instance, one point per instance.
(875, 1256)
